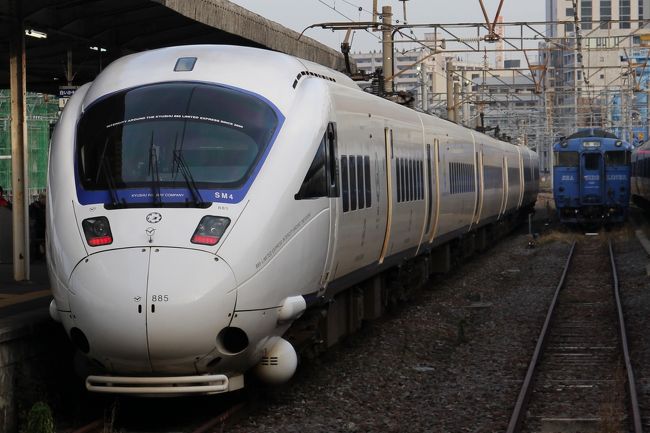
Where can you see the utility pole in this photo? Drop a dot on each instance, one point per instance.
(456, 102)
(465, 97)
(424, 84)
(17, 80)
(450, 90)
(387, 47)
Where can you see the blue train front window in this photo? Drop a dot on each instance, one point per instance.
(138, 137)
(566, 159)
(617, 158)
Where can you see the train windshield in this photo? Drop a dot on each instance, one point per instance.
(566, 159)
(618, 157)
(149, 135)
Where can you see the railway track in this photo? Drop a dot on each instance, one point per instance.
(204, 420)
(580, 378)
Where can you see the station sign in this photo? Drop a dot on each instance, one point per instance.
(65, 93)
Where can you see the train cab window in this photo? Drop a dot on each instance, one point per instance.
(315, 183)
(219, 134)
(321, 178)
(618, 157)
(566, 159)
(592, 161)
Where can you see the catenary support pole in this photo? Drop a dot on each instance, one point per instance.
(387, 47)
(18, 144)
(450, 90)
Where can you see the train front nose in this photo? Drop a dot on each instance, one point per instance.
(150, 309)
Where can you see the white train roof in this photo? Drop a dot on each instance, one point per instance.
(270, 74)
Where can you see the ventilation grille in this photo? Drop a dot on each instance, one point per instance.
(311, 74)
(269, 360)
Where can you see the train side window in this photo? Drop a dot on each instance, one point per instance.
(322, 175)
(360, 180)
(617, 157)
(366, 171)
(398, 171)
(315, 183)
(420, 195)
(566, 159)
(344, 183)
(353, 182)
(403, 178)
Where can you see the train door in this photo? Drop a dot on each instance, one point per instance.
(388, 141)
(334, 206)
(591, 178)
(504, 189)
(435, 189)
(521, 177)
(479, 184)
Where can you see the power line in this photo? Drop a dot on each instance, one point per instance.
(345, 16)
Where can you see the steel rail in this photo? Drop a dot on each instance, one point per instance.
(524, 394)
(631, 383)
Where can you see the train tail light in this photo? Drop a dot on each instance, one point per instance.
(97, 231)
(210, 230)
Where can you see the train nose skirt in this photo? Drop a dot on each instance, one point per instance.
(205, 384)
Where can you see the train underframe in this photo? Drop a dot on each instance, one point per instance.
(342, 313)
(593, 214)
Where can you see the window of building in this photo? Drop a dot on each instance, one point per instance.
(605, 13)
(586, 14)
(625, 14)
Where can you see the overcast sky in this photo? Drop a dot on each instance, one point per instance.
(298, 14)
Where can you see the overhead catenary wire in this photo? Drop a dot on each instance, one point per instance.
(333, 7)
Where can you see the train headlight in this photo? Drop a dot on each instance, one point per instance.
(97, 231)
(210, 230)
(618, 143)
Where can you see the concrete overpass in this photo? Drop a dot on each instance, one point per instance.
(80, 37)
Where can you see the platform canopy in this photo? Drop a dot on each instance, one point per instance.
(83, 36)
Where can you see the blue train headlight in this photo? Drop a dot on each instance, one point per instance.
(210, 230)
(618, 143)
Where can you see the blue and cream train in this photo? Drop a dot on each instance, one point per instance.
(203, 198)
(591, 177)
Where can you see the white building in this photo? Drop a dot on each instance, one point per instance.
(601, 11)
(580, 81)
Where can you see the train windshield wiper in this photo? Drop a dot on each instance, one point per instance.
(189, 179)
(105, 167)
(155, 174)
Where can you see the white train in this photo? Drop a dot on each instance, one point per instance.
(202, 198)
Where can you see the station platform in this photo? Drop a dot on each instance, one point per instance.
(25, 296)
